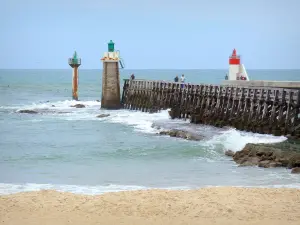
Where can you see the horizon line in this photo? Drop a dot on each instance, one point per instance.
(142, 69)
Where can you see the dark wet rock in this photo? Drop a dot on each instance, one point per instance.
(293, 138)
(52, 105)
(264, 163)
(247, 163)
(78, 106)
(27, 111)
(182, 134)
(285, 154)
(103, 115)
(226, 128)
(275, 164)
(229, 153)
(253, 161)
(296, 170)
(97, 100)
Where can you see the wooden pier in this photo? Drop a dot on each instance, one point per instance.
(265, 110)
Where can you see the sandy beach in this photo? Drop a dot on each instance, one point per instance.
(220, 205)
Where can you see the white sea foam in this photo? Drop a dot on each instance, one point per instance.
(139, 120)
(60, 104)
(6, 188)
(65, 104)
(236, 140)
(62, 109)
(142, 122)
(230, 139)
(294, 185)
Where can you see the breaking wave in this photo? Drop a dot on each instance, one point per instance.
(141, 122)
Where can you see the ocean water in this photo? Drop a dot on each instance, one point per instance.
(69, 149)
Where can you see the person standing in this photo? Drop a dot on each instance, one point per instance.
(182, 79)
(176, 79)
(132, 77)
(226, 77)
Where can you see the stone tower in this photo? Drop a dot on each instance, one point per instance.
(111, 79)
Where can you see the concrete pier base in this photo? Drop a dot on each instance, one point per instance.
(110, 85)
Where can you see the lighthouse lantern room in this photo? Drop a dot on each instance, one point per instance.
(237, 70)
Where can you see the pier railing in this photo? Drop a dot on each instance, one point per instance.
(257, 109)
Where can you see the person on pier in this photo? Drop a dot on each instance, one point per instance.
(226, 77)
(132, 77)
(182, 79)
(176, 79)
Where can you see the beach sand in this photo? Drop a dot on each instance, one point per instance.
(219, 205)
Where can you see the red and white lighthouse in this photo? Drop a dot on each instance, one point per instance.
(237, 70)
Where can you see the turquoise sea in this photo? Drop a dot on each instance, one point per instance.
(69, 149)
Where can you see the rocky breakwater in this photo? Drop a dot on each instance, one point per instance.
(284, 154)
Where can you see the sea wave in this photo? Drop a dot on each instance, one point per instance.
(235, 140)
(7, 188)
(143, 122)
(63, 104)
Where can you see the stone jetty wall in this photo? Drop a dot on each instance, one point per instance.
(265, 110)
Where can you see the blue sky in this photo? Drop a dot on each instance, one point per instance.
(150, 34)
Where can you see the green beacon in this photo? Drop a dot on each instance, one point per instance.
(111, 46)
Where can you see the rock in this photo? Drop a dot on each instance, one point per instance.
(293, 138)
(253, 161)
(182, 134)
(247, 163)
(283, 161)
(229, 153)
(27, 111)
(296, 170)
(103, 115)
(264, 163)
(78, 106)
(293, 162)
(52, 105)
(97, 100)
(284, 154)
(275, 164)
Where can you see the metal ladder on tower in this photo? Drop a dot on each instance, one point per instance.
(121, 61)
